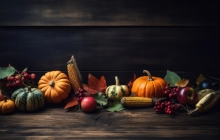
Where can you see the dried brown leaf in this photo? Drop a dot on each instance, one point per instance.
(71, 102)
(89, 90)
(182, 83)
(200, 79)
(92, 81)
(95, 85)
(131, 81)
(130, 84)
(102, 85)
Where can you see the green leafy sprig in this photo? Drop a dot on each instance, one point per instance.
(103, 101)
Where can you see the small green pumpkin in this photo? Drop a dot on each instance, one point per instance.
(117, 91)
(28, 99)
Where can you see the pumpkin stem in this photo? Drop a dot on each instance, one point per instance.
(29, 88)
(51, 83)
(117, 81)
(149, 75)
(5, 99)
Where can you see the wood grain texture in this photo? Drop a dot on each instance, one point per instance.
(110, 38)
(109, 13)
(111, 48)
(53, 122)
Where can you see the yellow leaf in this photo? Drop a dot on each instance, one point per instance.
(182, 83)
(200, 79)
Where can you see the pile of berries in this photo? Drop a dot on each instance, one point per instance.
(171, 92)
(80, 93)
(18, 80)
(171, 105)
(167, 107)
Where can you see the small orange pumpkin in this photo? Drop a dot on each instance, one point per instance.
(149, 86)
(7, 106)
(55, 85)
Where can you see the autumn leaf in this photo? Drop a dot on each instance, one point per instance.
(200, 79)
(95, 85)
(131, 82)
(89, 90)
(182, 83)
(71, 102)
(93, 81)
(102, 85)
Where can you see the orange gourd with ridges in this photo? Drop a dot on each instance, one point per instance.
(55, 85)
(7, 106)
(149, 86)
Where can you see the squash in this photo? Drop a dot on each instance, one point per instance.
(55, 85)
(117, 91)
(149, 86)
(28, 99)
(6, 106)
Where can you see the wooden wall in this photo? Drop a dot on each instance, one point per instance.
(117, 37)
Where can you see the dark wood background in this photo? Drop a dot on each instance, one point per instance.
(117, 37)
(111, 37)
(112, 49)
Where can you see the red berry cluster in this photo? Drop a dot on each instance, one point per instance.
(80, 93)
(18, 79)
(171, 92)
(167, 107)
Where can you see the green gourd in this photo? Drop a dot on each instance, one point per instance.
(28, 99)
(117, 91)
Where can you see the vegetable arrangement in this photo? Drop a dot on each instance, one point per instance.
(165, 95)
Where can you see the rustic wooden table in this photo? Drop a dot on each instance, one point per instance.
(111, 38)
(53, 122)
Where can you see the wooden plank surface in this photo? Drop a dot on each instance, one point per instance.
(109, 13)
(117, 37)
(111, 48)
(53, 122)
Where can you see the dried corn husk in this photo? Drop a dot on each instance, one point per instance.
(74, 74)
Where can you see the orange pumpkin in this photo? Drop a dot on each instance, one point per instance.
(55, 85)
(7, 106)
(149, 86)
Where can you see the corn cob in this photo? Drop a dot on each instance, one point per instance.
(206, 103)
(136, 101)
(74, 74)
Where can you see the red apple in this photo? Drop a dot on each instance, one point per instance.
(186, 95)
(88, 104)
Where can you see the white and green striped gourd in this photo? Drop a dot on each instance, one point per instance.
(117, 91)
